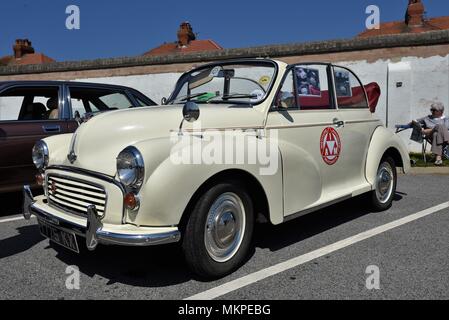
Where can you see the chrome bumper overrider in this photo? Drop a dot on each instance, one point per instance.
(94, 232)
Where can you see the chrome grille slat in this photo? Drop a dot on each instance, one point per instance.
(87, 193)
(74, 195)
(77, 202)
(75, 183)
(81, 197)
(65, 205)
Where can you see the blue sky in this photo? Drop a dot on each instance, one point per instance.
(131, 27)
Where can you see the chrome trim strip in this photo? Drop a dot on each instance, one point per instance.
(220, 129)
(141, 240)
(362, 121)
(306, 125)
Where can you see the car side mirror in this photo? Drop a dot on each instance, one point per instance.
(163, 101)
(191, 112)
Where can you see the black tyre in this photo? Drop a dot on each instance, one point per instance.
(218, 234)
(385, 185)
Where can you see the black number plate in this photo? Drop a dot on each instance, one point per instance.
(61, 237)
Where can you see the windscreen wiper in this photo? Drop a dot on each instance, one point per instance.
(239, 96)
(191, 96)
(233, 96)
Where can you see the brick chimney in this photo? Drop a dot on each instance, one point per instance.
(185, 34)
(415, 13)
(22, 47)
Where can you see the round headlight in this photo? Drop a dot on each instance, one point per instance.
(130, 168)
(40, 155)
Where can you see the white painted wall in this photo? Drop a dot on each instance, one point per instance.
(425, 80)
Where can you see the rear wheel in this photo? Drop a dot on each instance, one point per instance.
(219, 231)
(385, 185)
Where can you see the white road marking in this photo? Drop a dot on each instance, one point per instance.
(12, 219)
(295, 262)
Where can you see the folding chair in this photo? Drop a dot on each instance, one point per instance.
(417, 136)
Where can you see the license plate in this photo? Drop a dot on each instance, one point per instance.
(58, 236)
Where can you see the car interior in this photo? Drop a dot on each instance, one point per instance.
(93, 100)
(30, 104)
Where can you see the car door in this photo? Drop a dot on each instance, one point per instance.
(359, 126)
(25, 119)
(306, 121)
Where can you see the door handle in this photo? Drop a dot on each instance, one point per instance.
(338, 123)
(52, 128)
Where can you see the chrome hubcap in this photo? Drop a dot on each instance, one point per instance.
(385, 183)
(225, 227)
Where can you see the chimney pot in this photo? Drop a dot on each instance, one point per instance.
(185, 34)
(22, 47)
(415, 13)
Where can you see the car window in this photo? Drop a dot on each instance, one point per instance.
(350, 92)
(94, 100)
(286, 98)
(139, 101)
(116, 101)
(312, 87)
(29, 104)
(240, 83)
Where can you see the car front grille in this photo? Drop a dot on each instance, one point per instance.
(75, 196)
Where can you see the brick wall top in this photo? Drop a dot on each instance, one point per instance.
(272, 51)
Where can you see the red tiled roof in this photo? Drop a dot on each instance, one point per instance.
(397, 27)
(32, 58)
(193, 46)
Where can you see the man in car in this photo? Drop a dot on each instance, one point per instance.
(53, 108)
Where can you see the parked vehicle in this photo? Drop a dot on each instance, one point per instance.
(30, 111)
(128, 178)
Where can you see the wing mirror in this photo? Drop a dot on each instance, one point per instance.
(163, 101)
(191, 112)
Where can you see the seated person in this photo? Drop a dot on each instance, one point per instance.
(436, 128)
(53, 108)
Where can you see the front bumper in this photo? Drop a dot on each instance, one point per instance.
(93, 229)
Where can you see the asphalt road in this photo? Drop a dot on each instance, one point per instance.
(413, 259)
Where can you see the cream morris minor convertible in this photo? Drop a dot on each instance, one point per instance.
(116, 181)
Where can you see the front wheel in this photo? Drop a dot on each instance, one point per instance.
(385, 185)
(219, 231)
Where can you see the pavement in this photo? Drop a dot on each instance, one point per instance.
(330, 254)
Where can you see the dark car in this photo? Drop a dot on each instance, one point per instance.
(33, 110)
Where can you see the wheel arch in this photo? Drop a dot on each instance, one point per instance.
(252, 185)
(385, 143)
(395, 155)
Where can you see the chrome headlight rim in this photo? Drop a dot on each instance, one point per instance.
(139, 169)
(40, 148)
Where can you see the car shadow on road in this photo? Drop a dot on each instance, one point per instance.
(27, 237)
(142, 267)
(165, 266)
(11, 203)
(278, 237)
